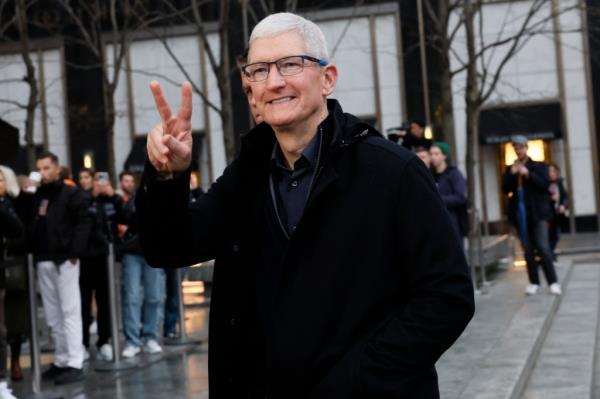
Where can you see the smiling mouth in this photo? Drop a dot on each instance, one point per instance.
(282, 100)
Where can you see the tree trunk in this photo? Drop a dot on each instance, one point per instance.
(472, 111)
(109, 121)
(225, 83)
(448, 110)
(227, 121)
(30, 78)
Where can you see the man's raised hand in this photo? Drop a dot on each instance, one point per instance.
(169, 143)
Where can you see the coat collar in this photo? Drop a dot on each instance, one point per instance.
(340, 130)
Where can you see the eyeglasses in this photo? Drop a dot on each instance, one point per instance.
(293, 65)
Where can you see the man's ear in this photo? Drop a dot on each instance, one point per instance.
(330, 77)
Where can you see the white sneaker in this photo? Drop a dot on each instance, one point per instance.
(106, 352)
(86, 354)
(152, 346)
(555, 289)
(5, 392)
(532, 289)
(93, 328)
(130, 351)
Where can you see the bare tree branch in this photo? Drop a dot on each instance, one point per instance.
(357, 3)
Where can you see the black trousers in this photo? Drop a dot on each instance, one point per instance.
(539, 243)
(93, 278)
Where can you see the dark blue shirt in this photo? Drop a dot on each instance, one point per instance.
(292, 187)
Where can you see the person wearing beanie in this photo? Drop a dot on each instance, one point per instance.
(451, 185)
(526, 183)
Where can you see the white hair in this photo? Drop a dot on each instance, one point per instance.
(284, 22)
(12, 186)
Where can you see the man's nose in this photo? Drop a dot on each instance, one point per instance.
(275, 79)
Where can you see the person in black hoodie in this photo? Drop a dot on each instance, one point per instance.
(10, 228)
(106, 212)
(337, 270)
(451, 185)
(59, 236)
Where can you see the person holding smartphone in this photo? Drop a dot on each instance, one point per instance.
(106, 212)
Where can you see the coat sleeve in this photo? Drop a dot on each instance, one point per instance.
(174, 233)
(78, 206)
(539, 178)
(438, 293)
(10, 225)
(458, 197)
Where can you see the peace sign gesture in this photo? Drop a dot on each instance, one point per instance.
(169, 143)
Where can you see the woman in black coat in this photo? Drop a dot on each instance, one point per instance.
(10, 228)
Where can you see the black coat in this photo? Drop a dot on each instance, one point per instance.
(10, 228)
(67, 222)
(375, 286)
(105, 213)
(537, 198)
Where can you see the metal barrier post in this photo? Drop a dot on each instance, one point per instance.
(480, 255)
(36, 372)
(471, 259)
(117, 363)
(183, 338)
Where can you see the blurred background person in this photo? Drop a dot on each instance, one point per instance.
(105, 212)
(195, 189)
(526, 183)
(173, 286)
(415, 136)
(423, 154)
(451, 185)
(66, 176)
(59, 235)
(560, 201)
(86, 179)
(10, 228)
(126, 185)
(143, 292)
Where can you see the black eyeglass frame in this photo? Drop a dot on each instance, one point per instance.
(269, 63)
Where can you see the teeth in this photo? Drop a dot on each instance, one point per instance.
(281, 100)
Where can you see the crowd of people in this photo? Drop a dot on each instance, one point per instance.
(316, 200)
(68, 225)
(537, 198)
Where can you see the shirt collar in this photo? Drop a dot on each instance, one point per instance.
(308, 158)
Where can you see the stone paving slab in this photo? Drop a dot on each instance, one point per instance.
(565, 365)
(491, 358)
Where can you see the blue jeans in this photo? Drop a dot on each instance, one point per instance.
(171, 303)
(141, 318)
(172, 300)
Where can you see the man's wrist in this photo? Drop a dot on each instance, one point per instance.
(161, 176)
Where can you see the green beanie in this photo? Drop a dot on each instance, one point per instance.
(443, 146)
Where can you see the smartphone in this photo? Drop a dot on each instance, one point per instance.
(102, 177)
(35, 177)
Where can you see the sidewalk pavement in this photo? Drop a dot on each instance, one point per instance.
(182, 372)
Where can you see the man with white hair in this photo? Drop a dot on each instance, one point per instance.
(330, 281)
